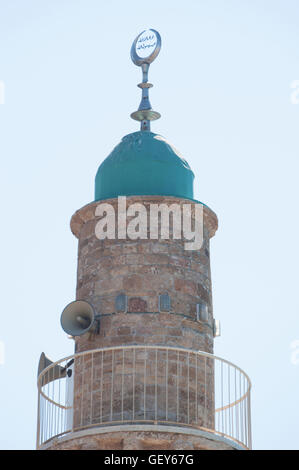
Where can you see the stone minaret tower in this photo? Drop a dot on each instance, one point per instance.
(143, 375)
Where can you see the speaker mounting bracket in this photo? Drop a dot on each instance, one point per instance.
(97, 323)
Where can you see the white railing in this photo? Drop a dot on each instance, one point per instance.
(145, 385)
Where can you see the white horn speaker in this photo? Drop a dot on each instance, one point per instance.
(56, 372)
(77, 318)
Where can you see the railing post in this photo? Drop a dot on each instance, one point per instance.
(38, 418)
(249, 420)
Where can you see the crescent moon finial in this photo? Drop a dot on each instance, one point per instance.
(144, 50)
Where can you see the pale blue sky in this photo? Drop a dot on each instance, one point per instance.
(222, 83)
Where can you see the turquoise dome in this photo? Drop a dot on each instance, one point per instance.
(144, 163)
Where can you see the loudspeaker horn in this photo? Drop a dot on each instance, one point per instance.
(56, 372)
(77, 318)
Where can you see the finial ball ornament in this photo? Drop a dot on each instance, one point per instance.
(146, 47)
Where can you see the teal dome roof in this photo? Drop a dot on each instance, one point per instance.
(144, 163)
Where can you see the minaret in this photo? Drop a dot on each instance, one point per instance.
(143, 375)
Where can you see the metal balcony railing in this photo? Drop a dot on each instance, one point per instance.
(144, 385)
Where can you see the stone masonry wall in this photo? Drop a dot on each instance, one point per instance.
(142, 270)
(143, 440)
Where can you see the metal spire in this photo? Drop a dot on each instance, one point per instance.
(144, 50)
